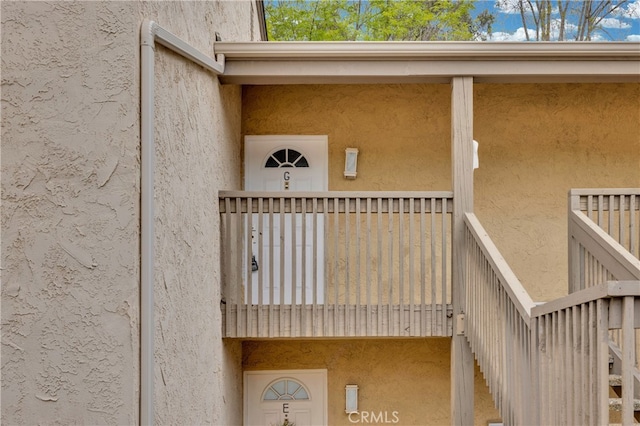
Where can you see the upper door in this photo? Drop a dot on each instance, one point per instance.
(283, 249)
(286, 163)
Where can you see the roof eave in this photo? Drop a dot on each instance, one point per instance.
(382, 62)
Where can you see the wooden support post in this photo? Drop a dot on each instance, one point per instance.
(462, 363)
(573, 246)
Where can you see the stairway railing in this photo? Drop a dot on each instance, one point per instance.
(498, 326)
(571, 354)
(602, 242)
(549, 364)
(616, 211)
(595, 256)
(604, 236)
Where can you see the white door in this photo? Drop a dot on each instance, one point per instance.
(299, 396)
(286, 163)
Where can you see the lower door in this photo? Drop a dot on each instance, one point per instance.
(274, 397)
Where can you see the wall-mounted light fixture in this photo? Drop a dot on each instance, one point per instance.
(351, 399)
(351, 163)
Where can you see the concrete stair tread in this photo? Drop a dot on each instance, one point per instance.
(615, 380)
(615, 404)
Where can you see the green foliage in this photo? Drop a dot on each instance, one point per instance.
(380, 20)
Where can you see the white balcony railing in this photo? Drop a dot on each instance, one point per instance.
(336, 263)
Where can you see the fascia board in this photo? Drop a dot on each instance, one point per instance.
(424, 50)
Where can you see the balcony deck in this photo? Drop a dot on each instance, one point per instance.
(363, 264)
(336, 321)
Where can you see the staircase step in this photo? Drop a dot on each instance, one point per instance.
(615, 380)
(615, 404)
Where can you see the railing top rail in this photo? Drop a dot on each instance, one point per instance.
(605, 290)
(336, 194)
(581, 203)
(511, 284)
(579, 199)
(604, 191)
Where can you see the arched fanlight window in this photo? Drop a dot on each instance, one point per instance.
(285, 389)
(286, 158)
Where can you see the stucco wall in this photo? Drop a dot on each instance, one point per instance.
(198, 379)
(536, 142)
(410, 377)
(70, 213)
(402, 131)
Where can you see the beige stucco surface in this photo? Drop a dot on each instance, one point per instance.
(198, 379)
(70, 213)
(536, 142)
(402, 131)
(408, 377)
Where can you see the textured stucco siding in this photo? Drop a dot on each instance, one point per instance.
(198, 379)
(402, 131)
(537, 142)
(70, 213)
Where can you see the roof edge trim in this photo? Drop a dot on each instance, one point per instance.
(306, 50)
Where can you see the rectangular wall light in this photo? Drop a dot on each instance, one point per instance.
(351, 398)
(351, 163)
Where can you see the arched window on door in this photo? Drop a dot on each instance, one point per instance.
(286, 390)
(286, 157)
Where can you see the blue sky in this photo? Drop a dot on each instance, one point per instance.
(621, 26)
